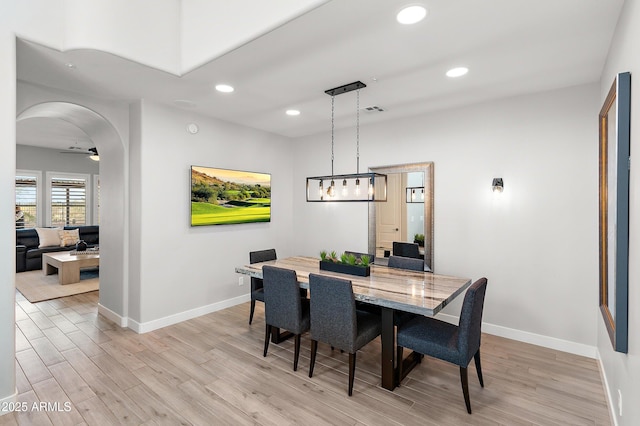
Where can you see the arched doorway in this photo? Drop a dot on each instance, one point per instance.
(113, 302)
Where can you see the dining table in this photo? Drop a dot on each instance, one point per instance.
(391, 289)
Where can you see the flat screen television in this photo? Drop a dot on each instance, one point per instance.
(225, 197)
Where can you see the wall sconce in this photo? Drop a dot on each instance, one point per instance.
(497, 185)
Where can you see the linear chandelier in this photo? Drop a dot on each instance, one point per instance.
(347, 187)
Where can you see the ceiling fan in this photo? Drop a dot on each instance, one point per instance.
(91, 152)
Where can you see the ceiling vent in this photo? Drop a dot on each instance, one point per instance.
(373, 108)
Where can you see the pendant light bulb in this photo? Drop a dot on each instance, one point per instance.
(332, 189)
(370, 187)
(357, 186)
(344, 187)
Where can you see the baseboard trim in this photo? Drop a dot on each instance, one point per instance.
(532, 338)
(6, 401)
(148, 326)
(607, 390)
(112, 316)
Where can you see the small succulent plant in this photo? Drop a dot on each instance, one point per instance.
(345, 259)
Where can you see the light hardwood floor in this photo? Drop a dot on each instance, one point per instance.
(210, 371)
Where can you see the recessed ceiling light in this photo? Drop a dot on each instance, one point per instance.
(411, 14)
(457, 72)
(224, 88)
(70, 65)
(293, 112)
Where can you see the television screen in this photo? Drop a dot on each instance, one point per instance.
(224, 197)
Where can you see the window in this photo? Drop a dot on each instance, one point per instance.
(68, 199)
(27, 206)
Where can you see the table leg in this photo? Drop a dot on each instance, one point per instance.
(49, 269)
(69, 273)
(278, 336)
(388, 350)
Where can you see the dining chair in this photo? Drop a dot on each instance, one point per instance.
(451, 343)
(409, 263)
(406, 249)
(283, 306)
(257, 292)
(336, 321)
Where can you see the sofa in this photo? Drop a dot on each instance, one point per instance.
(29, 255)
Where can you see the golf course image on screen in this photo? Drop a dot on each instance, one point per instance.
(225, 197)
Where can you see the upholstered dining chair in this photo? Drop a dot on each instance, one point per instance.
(455, 344)
(409, 263)
(257, 292)
(283, 306)
(406, 249)
(335, 320)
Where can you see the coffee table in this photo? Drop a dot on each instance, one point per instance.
(67, 265)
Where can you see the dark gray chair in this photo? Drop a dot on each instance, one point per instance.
(335, 320)
(283, 306)
(406, 250)
(409, 263)
(455, 344)
(257, 292)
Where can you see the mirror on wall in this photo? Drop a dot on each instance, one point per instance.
(407, 215)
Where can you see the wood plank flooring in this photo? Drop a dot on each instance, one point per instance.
(210, 370)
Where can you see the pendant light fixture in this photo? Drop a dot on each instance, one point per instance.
(355, 186)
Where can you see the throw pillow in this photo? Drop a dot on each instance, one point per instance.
(69, 237)
(48, 237)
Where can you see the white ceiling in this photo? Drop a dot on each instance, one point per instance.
(511, 47)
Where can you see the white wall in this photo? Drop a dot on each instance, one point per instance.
(622, 371)
(145, 31)
(46, 159)
(537, 242)
(231, 24)
(180, 268)
(7, 221)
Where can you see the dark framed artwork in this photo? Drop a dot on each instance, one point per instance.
(615, 128)
(225, 197)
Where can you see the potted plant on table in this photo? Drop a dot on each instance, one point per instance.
(419, 239)
(345, 264)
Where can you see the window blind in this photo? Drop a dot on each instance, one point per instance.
(26, 201)
(68, 201)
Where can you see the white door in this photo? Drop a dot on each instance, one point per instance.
(389, 216)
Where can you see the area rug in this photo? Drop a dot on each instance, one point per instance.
(36, 286)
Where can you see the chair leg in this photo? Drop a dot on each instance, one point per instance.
(314, 349)
(465, 387)
(267, 336)
(253, 308)
(399, 361)
(352, 371)
(478, 367)
(296, 352)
